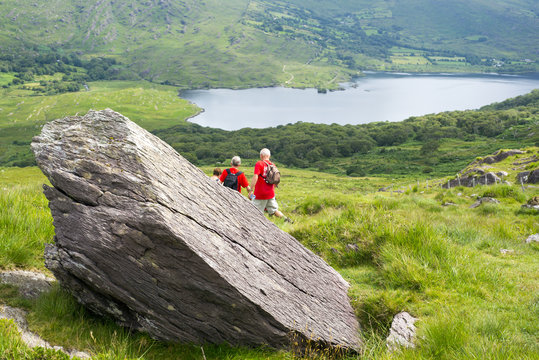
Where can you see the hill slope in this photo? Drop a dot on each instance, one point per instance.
(247, 43)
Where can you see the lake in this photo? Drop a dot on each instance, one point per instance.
(374, 97)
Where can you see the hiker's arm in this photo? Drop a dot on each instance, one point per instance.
(253, 184)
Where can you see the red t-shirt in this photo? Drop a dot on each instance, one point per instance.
(263, 191)
(242, 180)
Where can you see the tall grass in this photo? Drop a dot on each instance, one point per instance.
(398, 252)
(25, 226)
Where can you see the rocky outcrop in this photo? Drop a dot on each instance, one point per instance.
(500, 155)
(528, 177)
(488, 178)
(533, 177)
(147, 238)
(402, 332)
(480, 166)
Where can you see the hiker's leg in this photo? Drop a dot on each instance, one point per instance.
(273, 207)
(260, 204)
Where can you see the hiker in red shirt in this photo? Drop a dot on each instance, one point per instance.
(264, 193)
(233, 177)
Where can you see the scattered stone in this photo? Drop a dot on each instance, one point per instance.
(30, 284)
(533, 177)
(532, 238)
(484, 200)
(333, 250)
(502, 173)
(526, 161)
(506, 251)
(459, 194)
(352, 248)
(522, 177)
(402, 332)
(448, 203)
(29, 338)
(141, 236)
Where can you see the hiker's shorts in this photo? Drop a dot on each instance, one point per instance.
(270, 205)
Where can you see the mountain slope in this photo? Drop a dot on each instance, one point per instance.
(249, 42)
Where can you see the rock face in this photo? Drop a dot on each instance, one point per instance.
(144, 236)
(488, 178)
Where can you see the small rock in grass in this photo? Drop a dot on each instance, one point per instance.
(352, 247)
(532, 238)
(484, 200)
(506, 251)
(402, 332)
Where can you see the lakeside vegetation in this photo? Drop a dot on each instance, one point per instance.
(430, 145)
(399, 251)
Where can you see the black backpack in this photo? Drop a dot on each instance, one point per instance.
(231, 180)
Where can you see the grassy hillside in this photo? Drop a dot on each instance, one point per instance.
(22, 114)
(248, 43)
(399, 251)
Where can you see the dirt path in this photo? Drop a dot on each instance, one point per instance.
(291, 75)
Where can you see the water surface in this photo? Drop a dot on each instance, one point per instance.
(375, 97)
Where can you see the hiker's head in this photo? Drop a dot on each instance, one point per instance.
(217, 171)
(265, 154)
(236, 161)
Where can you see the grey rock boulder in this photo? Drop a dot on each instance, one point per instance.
(147, 238)
(402, 332)
(484, 200)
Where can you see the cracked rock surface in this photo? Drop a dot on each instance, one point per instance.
(144, 236)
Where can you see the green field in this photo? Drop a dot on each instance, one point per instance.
(440, 263)
(22, 114)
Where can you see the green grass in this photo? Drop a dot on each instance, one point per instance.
(22, 115)
(398, 251)
(25, 220)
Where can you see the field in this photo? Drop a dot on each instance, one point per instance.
(443, 264)
(22, 114)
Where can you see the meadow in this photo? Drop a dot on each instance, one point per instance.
(22, 114)
(398, 250)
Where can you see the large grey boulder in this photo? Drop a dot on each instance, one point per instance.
(144, 236)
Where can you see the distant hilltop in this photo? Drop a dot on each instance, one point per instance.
(240, 43)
